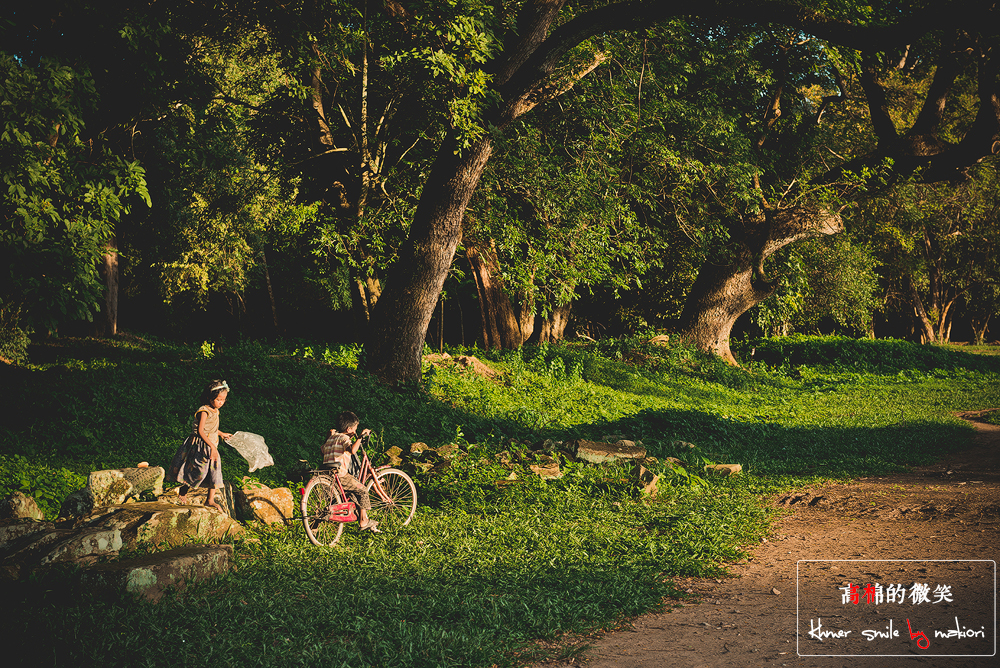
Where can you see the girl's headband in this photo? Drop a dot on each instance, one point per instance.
(221, 386)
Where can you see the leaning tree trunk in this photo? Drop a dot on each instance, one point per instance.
(401, 316)
(722, 293)
(522, 80)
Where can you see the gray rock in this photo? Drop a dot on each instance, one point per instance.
(395, 454)
(109, 487)
(224, 496)
(19, 506)
(112, 487)
(145, 479)
(546, 467)
(58, 545)
(84, 543)
(594, 452)
(449, 450)
(418, 449)
(150, 576)
(164, 523)
(78, 504)
(30, 546)
(723, 469)
(11, 530)
(645, 481)
(261, 503)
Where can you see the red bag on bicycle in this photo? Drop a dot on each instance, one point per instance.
(343, 512)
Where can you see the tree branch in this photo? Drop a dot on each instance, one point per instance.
(544, 56)
(830, 99)
(554, 89)
(933, 109)
(878, 107)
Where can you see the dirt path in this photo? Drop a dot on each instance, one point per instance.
(948, 511)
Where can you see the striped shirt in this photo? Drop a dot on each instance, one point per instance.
(337, 449)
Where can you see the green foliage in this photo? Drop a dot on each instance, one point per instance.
(821, 279)
(60, 197)
(13, 340)
(872, 355)
(224, 206)
(48, 485)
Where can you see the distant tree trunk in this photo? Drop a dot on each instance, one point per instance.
(365, 292)
(724, 292)
(554, 326)
(107, 322)
(979, 327)
(934, 325)
(270, 291)
(526, 315)
(501, 326)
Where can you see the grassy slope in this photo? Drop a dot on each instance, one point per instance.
(482, 569)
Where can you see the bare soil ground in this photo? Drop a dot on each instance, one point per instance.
(764, 615)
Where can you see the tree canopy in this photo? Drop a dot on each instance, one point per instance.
(315, 167)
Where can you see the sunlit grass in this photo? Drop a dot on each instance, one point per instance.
(484, 568)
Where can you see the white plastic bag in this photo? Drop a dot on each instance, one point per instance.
(252, 448)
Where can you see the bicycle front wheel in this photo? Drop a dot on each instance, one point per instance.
(321, 492)
(395, 504)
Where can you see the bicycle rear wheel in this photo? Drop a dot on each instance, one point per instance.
(319, 494)
(400, 502)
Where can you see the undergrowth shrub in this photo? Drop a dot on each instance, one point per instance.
(875, 355)
(13, 340)
(48, 485)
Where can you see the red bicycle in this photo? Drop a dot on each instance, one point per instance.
(326, 508)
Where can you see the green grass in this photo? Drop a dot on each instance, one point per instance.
(484, 569)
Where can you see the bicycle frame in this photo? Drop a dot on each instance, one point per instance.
(391, 492)
(368, 472)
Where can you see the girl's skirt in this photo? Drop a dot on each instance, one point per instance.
(193, 465)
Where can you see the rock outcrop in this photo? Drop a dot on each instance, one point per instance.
(151, 575)
(19, 506)
(27, 546)
(258, 502)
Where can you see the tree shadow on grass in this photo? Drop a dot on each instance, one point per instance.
(771, 448)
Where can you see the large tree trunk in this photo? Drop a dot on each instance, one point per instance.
(106, 323)
(401, 317)
(719, 296)
(501, 326)
(554, 326)
(525, 307)
(724, 292)
(521, 78)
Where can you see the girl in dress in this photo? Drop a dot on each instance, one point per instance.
(197, 462)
